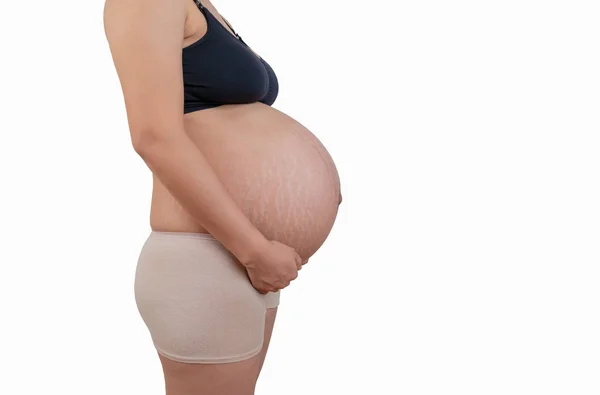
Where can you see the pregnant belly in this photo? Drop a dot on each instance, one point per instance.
(276, 170)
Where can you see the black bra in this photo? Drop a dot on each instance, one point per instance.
(219, 68)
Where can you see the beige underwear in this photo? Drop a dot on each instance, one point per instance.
(197, 300)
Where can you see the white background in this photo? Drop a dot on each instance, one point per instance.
(465, 258)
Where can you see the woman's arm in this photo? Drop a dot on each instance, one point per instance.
(145, 39)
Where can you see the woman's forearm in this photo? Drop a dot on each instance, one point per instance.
(183, 169)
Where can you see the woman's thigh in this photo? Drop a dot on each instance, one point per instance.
(269, 323)
(235, 378)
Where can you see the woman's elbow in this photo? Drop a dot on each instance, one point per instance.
(148, 140)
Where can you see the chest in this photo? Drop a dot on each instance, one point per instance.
(220, 68)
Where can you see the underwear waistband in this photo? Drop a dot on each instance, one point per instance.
(186, 235)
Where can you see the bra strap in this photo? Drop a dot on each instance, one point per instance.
(199, 4)
(229, 24)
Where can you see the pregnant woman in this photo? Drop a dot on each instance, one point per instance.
(242, 196)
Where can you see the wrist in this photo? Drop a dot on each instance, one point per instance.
(250, 248)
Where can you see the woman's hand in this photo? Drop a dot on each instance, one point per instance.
(273, 266)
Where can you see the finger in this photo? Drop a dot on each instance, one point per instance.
(298, 262)
(264, 289)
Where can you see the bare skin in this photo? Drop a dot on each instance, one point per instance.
(253, 177)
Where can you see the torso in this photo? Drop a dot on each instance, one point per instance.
(276, 170)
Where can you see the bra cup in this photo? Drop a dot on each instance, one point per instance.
(221, 72)
(273, 87)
